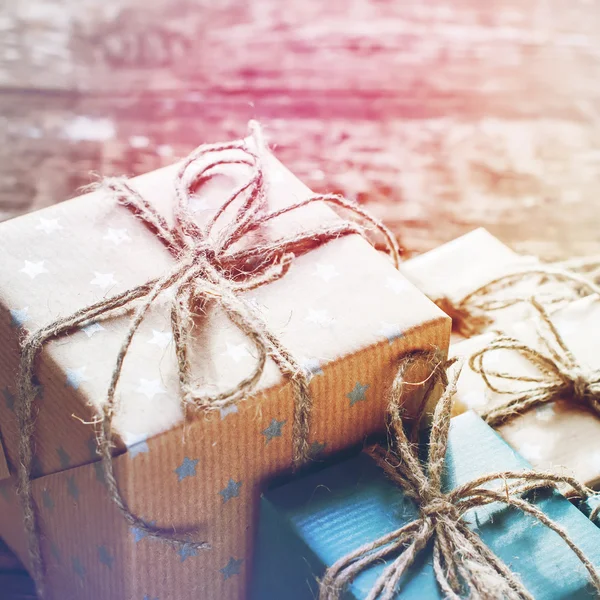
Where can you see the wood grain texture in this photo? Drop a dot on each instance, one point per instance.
(440, 116)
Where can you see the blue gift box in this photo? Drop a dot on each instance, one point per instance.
(310, 523)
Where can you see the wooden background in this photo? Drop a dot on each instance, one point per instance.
(440, 115)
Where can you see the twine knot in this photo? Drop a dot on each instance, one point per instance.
(560, 376)
(463, 565)
(212, 263)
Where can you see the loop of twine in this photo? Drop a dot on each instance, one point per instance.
(560, 375)
(463, 565)
(470, 313)
(212, 264)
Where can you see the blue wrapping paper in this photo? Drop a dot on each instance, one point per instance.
(308, 524)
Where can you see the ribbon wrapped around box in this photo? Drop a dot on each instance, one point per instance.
(309, 525)
(339, 311)
(481, 283)
(537, 384)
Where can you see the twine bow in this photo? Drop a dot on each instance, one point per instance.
(560, 374)
(212, 264)
(470, 314)
(463, 565)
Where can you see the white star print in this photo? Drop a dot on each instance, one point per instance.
(531, 452)
(75, 377)
(103, 280)
(325, 272)
(92, 328)
(236, 351)
(33, 269)
(150, 388)
(116, 236)
(161, 338)
(319, 317)
(397, 284)
(228, 410)
(49, 225)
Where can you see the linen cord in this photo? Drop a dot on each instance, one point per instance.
(463, 565)
(210, 266)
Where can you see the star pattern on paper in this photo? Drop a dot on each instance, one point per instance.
(140, 534)
(140, 447)
(186, 469)
(325, 272)
(36, 466)
(146, 597)
(48, 225)
(116, 236)
(72, 488)
(316, 448)
(236, 352)
(99, 470)
(473, 399)
(232, 568)
(312, 368)
(75, 377)
(397, 284)
(531, 451)
(186, 551)
(92, 328)
(103, 280)
(63, 457)
(231, 490)
(150, 388)
(19, 316)
(105, 557)
(390, 331)
(78, 567)
(273, 430)
(4, 492)
(319, 317)
(358, 393)
(161, 338)
(55, 552)
(47, 500)
(228, 410)
(33, 269)
(9, 398)
(545, 412)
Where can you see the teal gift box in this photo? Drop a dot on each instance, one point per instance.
(310, 523)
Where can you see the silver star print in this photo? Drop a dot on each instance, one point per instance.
(48, 225)
(92, 328)
(390, 331)
(237, 352)
(312, 368)
(316, 448)
(72, 488)
(140, 447)
(65, 459)
(325, 272)
(232, 490)
(273, 430)
(161, 338)
(150, 388)
(358, 393)
(78, 567)
(33, 269)
(187, 551)
(103, 280)
(5, 493)
(19, 316)
(47, 500)
(232, 567)
(228, 410)
(104, 556)
(117, 236)
(9, 398)
(55, 553)
(186, 469)
(140, 534)
(75, 377)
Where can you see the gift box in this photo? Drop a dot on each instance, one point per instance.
(309, 524)
(560, 435)
(342, 310)
(452, 271)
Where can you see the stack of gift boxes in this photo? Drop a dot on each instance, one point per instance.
(225, 476)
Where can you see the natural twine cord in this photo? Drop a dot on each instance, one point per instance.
(470, 314)
(211, 265)
(463, 565)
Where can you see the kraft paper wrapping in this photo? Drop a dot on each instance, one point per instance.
(342, 309)
(460, 266)
(557, 436)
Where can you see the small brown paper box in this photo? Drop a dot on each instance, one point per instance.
(461, 266)
(341, 309)
(559, 435)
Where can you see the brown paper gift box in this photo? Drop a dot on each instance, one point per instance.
(557, 436)
(460, 266)
(342, 309)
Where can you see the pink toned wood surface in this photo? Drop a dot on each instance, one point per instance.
(440, 116)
